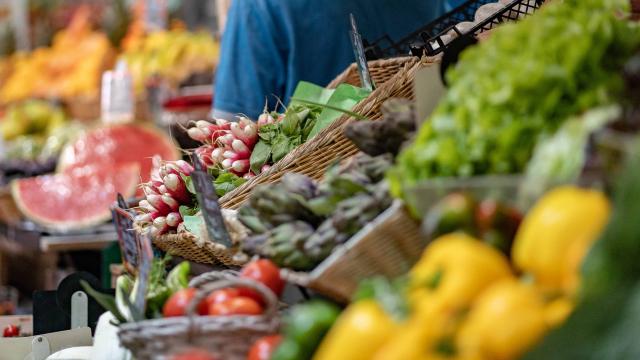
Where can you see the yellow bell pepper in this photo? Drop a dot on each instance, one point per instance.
(358, 334)
(506, 320)
(558, 310)
(557, 234)
(419, 335)
(453, 270)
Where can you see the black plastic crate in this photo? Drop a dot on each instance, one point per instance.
(429, 39)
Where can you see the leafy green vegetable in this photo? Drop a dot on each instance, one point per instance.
(520, 85)
(188, 211)
(227, 182)
(345, 98)
(277, 140)
(259, 156)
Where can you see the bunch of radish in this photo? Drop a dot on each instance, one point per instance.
(164, 195)
(227, 145)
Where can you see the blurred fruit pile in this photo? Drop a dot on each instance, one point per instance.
(35, 130)
(174, 55)
(71, 67)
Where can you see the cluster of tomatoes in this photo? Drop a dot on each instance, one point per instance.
(231, 301)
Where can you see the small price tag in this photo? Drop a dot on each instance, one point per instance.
(208, 199)
(361, 58)
(127, 237)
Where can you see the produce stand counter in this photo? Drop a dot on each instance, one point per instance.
(43, 250)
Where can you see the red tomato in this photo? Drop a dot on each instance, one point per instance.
(265, 272)
(219, 296)
(264, 347)
(236, 306)
(194, 355)
(11, 331)
(178, 302)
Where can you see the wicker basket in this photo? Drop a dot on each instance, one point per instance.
(389, 246)
(188, 246)
(227, 337)
(394, 78)
(315, 156)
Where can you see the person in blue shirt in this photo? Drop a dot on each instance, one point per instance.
(268, 46)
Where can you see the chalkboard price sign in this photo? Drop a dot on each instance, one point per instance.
(143, 277)
(127, 237)
(208, 199)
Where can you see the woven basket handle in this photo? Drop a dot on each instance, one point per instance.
(228, 281)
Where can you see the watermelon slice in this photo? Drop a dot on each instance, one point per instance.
(75, 199)
(116, 145)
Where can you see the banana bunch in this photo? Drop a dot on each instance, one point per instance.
(33, 117)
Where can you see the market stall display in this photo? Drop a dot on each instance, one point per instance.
(314, 157)
(348, 191)
(340, 226)
(462, 287)
(494, 113)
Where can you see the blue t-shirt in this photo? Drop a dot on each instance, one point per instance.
(270, 45)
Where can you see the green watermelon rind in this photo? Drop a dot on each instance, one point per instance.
(80, 224)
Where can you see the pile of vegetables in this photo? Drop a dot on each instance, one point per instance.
(235, 152)
(168, 197)
(519, 86)
(577, 147)
(161, 286)
(227, 145)
(297, 223)
(281, 133)
(169, 295)
(463, 299)
(230, 301)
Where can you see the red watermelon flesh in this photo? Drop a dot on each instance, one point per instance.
(75, 199)
(116, 145)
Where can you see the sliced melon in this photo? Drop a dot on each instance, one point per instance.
(76, 199)
(117, 145)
